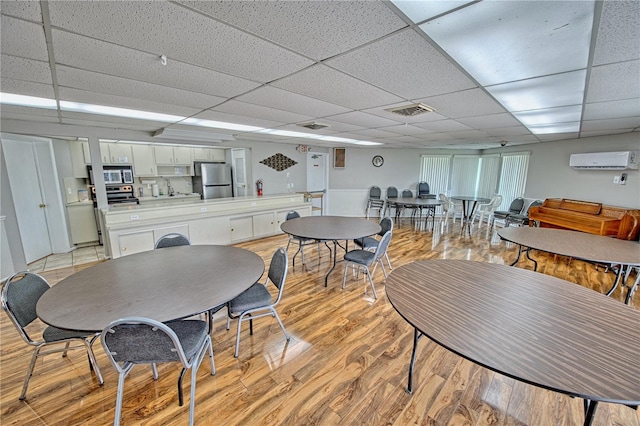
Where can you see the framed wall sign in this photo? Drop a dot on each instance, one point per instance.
(339, 158)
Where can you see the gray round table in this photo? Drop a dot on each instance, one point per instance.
(163, 284)
(330, 228)
(429, 204)
(579, 245)
(469, 204)
(532, 327)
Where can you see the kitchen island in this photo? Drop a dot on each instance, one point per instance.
(135, 228)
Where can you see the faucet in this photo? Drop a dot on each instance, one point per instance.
(169, 188)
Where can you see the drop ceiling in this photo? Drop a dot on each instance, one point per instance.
(493, 71)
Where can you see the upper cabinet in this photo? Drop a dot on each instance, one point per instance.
(208, 154)
(78, 164)
(144, 163)
(173, 156)
(115, 153)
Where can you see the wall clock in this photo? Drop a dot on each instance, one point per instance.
(377, 160)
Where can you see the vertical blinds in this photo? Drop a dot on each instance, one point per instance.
(513, 177)
(435, 171)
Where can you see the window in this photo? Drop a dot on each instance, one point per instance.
(479, 175)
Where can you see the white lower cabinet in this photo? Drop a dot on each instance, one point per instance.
(134, 242)
(174, 229)
(263, 224)
(241, 228)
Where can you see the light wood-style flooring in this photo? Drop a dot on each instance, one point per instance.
(346, 363)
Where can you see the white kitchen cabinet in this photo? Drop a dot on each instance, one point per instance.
(86, 153)
(134, 242)
(144, 163)
(82, 221)
(173, 155)
(241, 228)
(78, 166)
(115, 153)
(263, 224)
(208, 154)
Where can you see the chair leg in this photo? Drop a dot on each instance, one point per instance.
(154, 370)
(119, 396)
(344, 275)
(275, 314)
(388, 261)
(213, 364)
(240, 318)
(180, 395)
(373, 287)
(32, 364)
(92, 358)
(66, 347)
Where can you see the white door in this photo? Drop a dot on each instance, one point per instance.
(317, 179)
(28, 198)
(239, 172)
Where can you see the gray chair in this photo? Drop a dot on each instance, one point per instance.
(371, 243)
(302, 242)
(366, 259)
(406, 193)
(20, 294)
(137, 340)
(392, 194)
(423, 191)
(256, 301)
(374, 201)
(521, 219)
(172, 240)
(515, 207)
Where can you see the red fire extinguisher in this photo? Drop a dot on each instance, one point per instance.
(259, 187)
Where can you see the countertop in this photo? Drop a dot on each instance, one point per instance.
(169, 197)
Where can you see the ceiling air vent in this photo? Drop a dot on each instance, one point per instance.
(313, 126)
(411, 110)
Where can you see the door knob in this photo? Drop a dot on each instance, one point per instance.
(42, 206)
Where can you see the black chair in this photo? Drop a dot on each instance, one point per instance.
(20, 294)
(137, 340)
(406, 193)
(374, 201)
(172, 240)
(301, 241)
(365, 259)
(521, 219)
(371, 243)
(423, 191)
(256, 301)
(515, 207)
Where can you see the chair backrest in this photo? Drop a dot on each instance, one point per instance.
(292, 215)
(383, 244)
(172, 240)
(534, 204)
(375, 193)
(20, 294)
(516, 205)
(278, 271)
(423, 188)
(406, 193)
(386, 224)
(445, 201)
(392, 192)
(139, 340)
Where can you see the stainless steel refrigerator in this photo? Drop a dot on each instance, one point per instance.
(212, 180)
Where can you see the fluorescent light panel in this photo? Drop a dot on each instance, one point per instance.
(191, 135)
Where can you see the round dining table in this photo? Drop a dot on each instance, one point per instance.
(428, 204)
(469, 204)
(532, 327)
(163, 284)
(330, 228)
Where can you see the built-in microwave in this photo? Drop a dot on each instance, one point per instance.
(127, 176)
(112, 176)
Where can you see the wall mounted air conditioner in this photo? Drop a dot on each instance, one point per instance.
(605, 160)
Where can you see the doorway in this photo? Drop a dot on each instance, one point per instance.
(317, 179)
(238, 159)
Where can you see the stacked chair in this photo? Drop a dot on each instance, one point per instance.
(375, 201)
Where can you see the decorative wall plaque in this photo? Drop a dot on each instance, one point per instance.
(279, 162)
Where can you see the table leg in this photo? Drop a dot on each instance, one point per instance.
(518, 256)
(632, 289)
(589, 411)
(416, 336)
(335, 256)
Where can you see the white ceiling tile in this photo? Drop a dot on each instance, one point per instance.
(509, 131)
(106, 84)
(236, 119)
(419, 11)
(383, 62)
(374, 133)
(603, 132)
(284, 100)
(159, 28)
(27, 88)
(29, 10)
(25, 69)
(619, 32)
(83, 52)
(610, 124)
(443, 126)
(533, 28)
(23, 39)
(299, 26)
(362, 119)
(468, 134)
(109, 121)
(557, 136)
(261, 112)
(329, 85)
(467, 103)
(490, 121)
(87, 96)
(614, 82)
(612, 109)
(404, 129)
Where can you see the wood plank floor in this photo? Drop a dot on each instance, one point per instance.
(345, 364)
